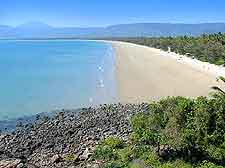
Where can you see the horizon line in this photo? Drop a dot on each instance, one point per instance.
(106, 26)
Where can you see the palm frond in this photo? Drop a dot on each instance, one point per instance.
(218, 89)
(222, 79)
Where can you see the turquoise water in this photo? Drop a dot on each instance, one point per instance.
(41, 76)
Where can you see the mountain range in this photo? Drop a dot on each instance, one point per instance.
(42, 30)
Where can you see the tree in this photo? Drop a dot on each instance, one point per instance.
(216, 88)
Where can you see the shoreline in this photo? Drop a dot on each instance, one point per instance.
(50, 142)
(147, 74)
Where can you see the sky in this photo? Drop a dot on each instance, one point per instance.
(95, 13)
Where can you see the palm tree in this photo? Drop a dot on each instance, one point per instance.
(216, 88)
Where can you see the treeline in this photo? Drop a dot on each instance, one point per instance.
(176, 132)
(208, 47)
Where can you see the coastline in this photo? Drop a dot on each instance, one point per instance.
(69, 138)
(147, 74)
(144, 74)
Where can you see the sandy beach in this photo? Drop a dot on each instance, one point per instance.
(145, 74)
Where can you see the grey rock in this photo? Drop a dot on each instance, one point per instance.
(86, 155)
(56, 159)
(21, 165)
(42, 143)
(9, 163)
(165, 151)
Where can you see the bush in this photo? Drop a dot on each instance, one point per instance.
(176, 132)
(176, 164)
(207, 164)
(104, 153)
(126, 155)
(113, 165)
(70, 158)
(143, 132)
(151, 159)
(113, 142)
(106, 150)
(135, 165)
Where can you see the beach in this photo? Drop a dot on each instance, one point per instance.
(146, 74)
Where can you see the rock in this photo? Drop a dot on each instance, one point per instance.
(21, 165)
(56, 159)
(165, 151)
(10, 163)
(86, 155)
(2, 137)
(45, 142)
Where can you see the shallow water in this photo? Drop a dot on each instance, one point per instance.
(40, 76)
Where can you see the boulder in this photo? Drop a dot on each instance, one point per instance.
(56, 159)
(9, 163)
(86, 155)
(165, 151)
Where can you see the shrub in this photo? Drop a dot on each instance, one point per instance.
(151, 159)
(106, 150)
(176, 132)
(176, 164)
(126, 155)
(104, 153)
(207, 164)
(113, 165)
(135, 165)
(69, 157)
(113, 142)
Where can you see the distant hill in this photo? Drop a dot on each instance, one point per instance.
(4, 30)
(42, 30)
(165, 29)
(34, 26)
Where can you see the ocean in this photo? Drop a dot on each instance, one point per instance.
(47, 75)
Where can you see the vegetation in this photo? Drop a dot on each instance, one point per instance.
(176, 132)
(216, 88)
(70, 158)
(208, 48)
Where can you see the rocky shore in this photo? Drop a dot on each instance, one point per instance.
(66, 140)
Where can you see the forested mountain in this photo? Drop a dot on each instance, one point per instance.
(41, 30)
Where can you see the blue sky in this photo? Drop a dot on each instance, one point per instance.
(87, 13)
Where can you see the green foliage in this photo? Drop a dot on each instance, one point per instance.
(207, 164)
(106, 150)
(113, 142)
(69, 157)
(150, 159)
(125, 154)
(176, 164)
(219, 90)
(216, 153)
(176, 132)
(113, 165)
(135, 165)
(104, 153)
(143, 133)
